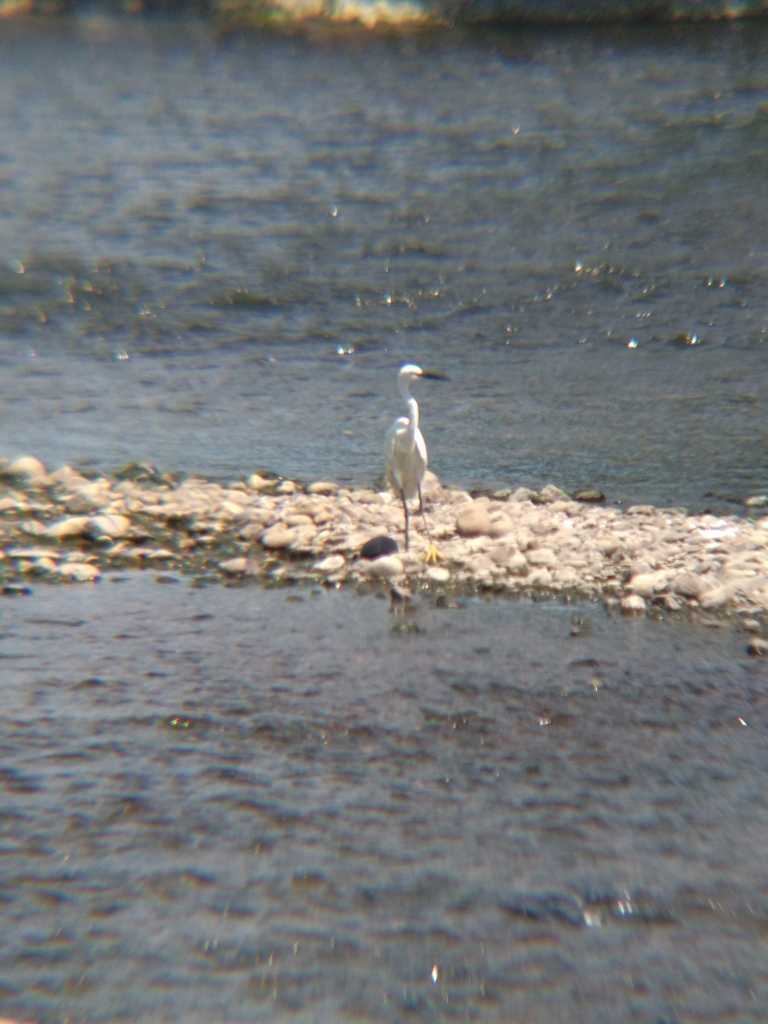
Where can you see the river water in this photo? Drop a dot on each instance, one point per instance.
(237, 804)
(217, 251)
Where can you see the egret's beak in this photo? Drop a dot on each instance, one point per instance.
(429, 375)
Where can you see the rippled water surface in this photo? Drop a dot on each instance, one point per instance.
(216, 251)
(243, 804)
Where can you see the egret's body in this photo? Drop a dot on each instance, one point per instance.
(406, 450)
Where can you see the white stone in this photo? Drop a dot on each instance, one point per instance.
(646, 584)
(79, 572)
(438, 574)
(29, 467)
(539, 578)
(518, 564)
(632, 604)
(109, 526)
(74, 526)
(330, 564)
(322, 487)
(542, 557)
(386, 567)
(276, 537)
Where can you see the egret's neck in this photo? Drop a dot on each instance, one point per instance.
(413, 406)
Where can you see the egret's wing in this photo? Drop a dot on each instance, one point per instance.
(393, 450)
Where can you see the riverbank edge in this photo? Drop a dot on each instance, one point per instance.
(66, 526)
(400, 15)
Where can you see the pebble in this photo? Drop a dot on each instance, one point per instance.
(472, 520)
(29, 467)
(688, 584)
(257, 482)
(234, 566)
(386, 567)
(330, 564)
(632, 604)
(542, 557)
(80, 572)
(277, 537)
(646, 584)
(517, 564)
(322, 487)
(74, 526)
(110, 526)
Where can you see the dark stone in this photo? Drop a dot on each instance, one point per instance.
(544, 906)
(589, 494)
(378, 546)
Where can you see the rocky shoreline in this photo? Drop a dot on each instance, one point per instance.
(69, 527)
(400, 15)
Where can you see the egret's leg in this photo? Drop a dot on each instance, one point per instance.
(405, 511)
(433, 552)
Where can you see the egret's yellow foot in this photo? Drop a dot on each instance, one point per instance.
(432, 555)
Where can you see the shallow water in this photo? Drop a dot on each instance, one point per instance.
(245, 804)
(217, 250)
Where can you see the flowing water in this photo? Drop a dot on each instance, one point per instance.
(216, 252)
(238, 804)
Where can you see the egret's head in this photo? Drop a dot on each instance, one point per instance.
(409, 372)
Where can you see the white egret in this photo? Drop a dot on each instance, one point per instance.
(406, 451)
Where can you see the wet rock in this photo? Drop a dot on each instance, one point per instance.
(757, 647)
(633, 604)
(542, 557)
(141, 471)
(386, 567)
(517, 564)
(552, 493)
(109, 527)
(276, 537)
(65, 529)
(79, 572)
(589, 495)
(472, 520)
(234, 566)
(67, 477)
(322, 487)
(303, 538)
(718, 596)
(438, 574)
(330, 564)
(756, 501)
(257, 482)
(29, 467)
(500, 526)
(646, 584)
(688, 584)
(521, 494)
(378, 546)
(34, 528)
(566, 578)
(608, 545)
(540, 577)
